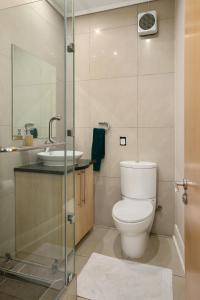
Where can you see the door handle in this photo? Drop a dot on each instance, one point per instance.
(185, 184)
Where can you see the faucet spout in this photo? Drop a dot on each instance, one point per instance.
(55, 118)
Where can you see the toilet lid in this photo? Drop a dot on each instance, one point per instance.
(132, 210)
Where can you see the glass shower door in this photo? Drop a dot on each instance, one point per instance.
(37, 197)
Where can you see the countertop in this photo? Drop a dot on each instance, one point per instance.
(40, 168)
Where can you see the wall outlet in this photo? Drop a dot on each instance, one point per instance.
(122, 140)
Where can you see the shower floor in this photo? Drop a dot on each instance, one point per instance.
(28, 281)
(14, 289)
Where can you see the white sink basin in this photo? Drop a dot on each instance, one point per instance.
(56, 158)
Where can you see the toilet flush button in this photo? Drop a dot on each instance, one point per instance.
(122, 140)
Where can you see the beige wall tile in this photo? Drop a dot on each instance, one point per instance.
(9, 3)
(114, 53)
(82, 56)
(107, 191)
(164, 8)
(156, 100)
(5, 88)
(164, 219)
(157, 144)
(83, 141)
(82, 24)
(156, 53)
(136, 104)
(110, 166)
(114, 18)
(115, 101)
(82, 104)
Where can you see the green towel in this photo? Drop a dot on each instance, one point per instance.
(98, 147)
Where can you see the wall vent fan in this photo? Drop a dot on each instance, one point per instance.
(147, 23)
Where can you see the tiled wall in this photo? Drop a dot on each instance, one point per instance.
(38, 29)
(127, 81)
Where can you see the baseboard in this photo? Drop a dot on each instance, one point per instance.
(179, 244)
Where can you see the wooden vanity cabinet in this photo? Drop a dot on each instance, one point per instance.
(40, 208)
(84, 210)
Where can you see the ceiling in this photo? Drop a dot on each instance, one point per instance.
(83, 7)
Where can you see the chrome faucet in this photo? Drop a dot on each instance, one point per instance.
(56, 118)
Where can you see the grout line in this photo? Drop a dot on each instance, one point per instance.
(116, 27)
(180, 276)
(128, 76)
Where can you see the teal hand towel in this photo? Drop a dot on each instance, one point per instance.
(98, 147)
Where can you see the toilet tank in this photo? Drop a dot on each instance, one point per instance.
(138, 179)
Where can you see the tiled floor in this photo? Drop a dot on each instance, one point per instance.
(12, 289)
(15, 289)
(161, 252)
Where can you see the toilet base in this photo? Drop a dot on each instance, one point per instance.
(134, 246)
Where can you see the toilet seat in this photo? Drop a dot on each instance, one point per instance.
(132, 211)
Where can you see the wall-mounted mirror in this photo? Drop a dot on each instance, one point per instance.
(34, 94)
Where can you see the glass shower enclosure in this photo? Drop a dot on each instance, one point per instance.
(37, 188)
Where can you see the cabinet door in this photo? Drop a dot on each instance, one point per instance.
(89, 198)
(80, 218)
(84, 202)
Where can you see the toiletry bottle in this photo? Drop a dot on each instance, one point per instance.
(28, 138)
(19, 135)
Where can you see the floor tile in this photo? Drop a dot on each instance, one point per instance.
(70, 293)
(50, 294)
(7, 297)
(10, 264)
(89, 244)
(42, 272)
(21, 290)
(110, 244)
(80, 261)
(161, 251)
(179, 288)
(2, 278)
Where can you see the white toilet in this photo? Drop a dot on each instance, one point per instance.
(134, 214)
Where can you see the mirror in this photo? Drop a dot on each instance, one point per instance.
(34, 94)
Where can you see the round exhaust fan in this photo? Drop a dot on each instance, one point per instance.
(147, 23)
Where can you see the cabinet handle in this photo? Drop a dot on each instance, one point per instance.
(80, 181)
(83, 187)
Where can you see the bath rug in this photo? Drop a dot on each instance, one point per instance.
(108, 278)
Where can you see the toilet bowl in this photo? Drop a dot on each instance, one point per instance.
(134, 214)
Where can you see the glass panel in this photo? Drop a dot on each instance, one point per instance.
(37, 109)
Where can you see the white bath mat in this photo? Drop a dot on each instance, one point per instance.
(107, 278)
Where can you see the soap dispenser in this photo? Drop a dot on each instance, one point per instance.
(28, 138)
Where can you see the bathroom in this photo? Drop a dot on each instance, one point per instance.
(92, 102)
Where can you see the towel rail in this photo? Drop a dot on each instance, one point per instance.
(105, 124)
